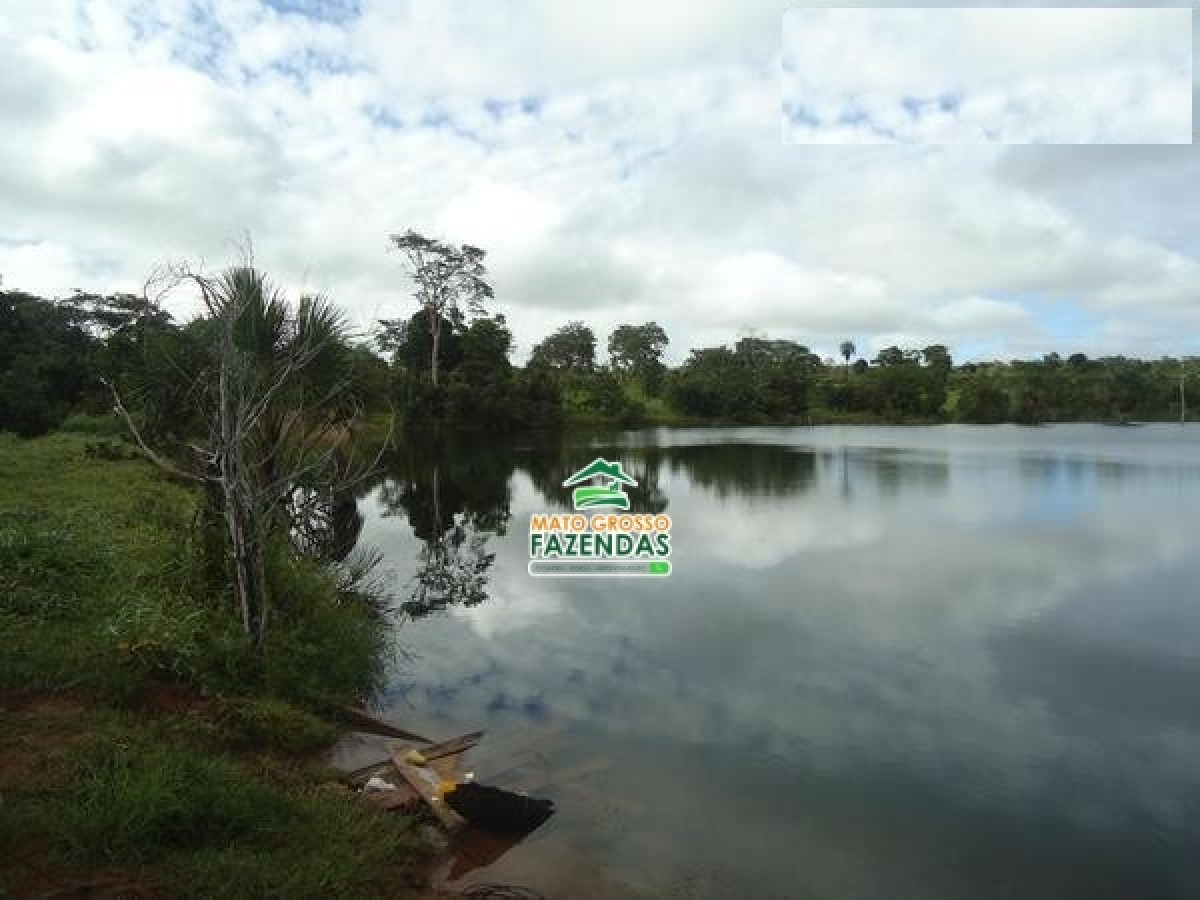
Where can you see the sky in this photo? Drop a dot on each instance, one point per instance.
(985, 75)
(619, 162)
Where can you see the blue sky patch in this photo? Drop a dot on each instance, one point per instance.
(335, 12)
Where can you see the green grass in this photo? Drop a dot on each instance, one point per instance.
(97, 426)
(102, 588)
(197, 823)
(185, 758)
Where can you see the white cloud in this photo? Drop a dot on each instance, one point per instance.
(1059, 76)
(621, 166)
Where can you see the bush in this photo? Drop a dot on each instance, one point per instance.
(325, 641)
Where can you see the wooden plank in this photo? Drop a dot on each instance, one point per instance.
(455, 745)
(364, 721)
(426, 780)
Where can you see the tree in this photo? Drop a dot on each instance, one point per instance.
(448, 278)
(571, 348)
(486, 346)
(759, 380)
(983, 401)
(713, 383)
(938, 358)
(409, 344)
(847, 349)
(894, 356)
(274, 389)
(46, 360)
(638, 350)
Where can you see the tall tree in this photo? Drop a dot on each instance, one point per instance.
(449, 279)
(847, 349)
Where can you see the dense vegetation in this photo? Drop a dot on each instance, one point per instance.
(146, 747)
(54, 352)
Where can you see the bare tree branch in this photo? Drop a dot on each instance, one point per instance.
(163, 464)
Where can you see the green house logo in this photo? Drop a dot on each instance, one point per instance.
(608, 494)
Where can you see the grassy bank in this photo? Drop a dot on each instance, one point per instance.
(144, 747)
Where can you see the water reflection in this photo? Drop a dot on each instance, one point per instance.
(961, 668)
(744, 469)
(329, 522)
(455, 503)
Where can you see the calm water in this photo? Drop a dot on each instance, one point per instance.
(890, 662)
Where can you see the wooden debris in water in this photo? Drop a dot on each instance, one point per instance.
(458, 745)
(426, 781)
(364, 721)
(455, 745)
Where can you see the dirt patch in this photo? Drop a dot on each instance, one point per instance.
(164, 697)
(31, 879)
(42, 704)
(36, 728)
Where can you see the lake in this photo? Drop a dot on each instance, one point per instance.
(890, 662)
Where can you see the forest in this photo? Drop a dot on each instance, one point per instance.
(58, 354)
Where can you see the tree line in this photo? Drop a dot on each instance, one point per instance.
(450, 363)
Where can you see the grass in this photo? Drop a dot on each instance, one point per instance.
(139, 733)
(142, 798)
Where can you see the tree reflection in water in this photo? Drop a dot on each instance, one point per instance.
(454, 489)
(455, 498)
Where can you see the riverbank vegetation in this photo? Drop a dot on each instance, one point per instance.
(57, 349)
(146, 745)
(180, 604)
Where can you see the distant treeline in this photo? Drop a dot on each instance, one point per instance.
(55, 353)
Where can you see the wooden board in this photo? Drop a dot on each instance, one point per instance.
(452, 747)
(363, 721)
(458, 745)
(426, 780)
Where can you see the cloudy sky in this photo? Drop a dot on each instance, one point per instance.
(618, 161)
(1009, 76)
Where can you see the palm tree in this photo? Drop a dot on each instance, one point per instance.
(274, 389)
(847, 348)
